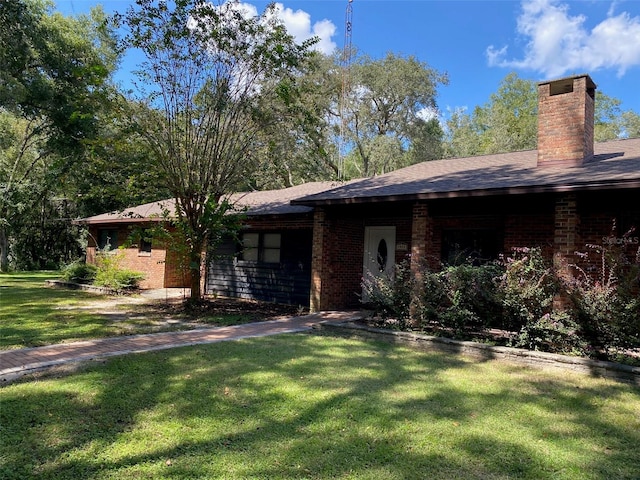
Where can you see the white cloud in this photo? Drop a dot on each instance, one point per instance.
(299, 26)
(559, 42)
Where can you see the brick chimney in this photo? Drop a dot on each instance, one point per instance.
(565, 121)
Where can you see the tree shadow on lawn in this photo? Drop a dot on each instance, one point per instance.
(33, 315)
(303, 406)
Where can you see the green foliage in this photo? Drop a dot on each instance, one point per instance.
(390, 296)
(79, 272)
(53, 83)
(458, 298)
(212, 77)
(111, 276)
(607, 298)
(555, 332)
(612, 122)
(471, 296)
(528, 287)
(298, 147)
(517, 295)
(390, 114)
(508, 122)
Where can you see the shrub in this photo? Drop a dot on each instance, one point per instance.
(459, 297)
(554, 332)
(79, 272)
(517, 295)
(390, 296)
(110, 275)
(528, 287)
(605, 295)
(471, 298)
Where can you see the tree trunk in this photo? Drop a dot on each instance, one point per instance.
(4, 250)
(196, 294)
(195, 271)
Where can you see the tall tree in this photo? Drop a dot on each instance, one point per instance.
(116, 171)
(508, 121)
(631, 124)
(391, 114)
(298, 147)
(213, 74)
(611, 122)
(388, 120)
(53, 75)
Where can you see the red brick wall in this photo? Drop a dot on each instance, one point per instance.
(529, 230)
(559, 224)
(159, 272)
(338, 250)
(613, 224)
(280, 222)
(566, 239)
(319, 239)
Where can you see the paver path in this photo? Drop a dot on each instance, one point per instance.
(15, 363)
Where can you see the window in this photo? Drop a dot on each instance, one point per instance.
(261, 247)
(144, 246)
(250, 247)
(477, 246)
(271, 248)
(107, 238)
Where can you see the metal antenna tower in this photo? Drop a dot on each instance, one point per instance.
(346, 84)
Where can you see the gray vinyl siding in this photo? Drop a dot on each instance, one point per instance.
(287, 282)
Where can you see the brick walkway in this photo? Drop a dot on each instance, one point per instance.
(15, 363)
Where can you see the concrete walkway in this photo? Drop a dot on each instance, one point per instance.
(16, 363)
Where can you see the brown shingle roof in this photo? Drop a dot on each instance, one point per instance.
(615, 164)
(268, 202)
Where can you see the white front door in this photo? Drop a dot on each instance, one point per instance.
(379, 253)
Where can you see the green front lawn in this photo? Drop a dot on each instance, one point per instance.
(32, 314)
(317, 407)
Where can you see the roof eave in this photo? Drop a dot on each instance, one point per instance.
(520, 190)
(108, 221)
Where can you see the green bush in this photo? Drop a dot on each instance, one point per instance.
(391, 296)
(555, 332)
(518, 295)
(79, 272)
(471, 299)
(528, 286)
(606, 299)
(110, 275)
(460, 297)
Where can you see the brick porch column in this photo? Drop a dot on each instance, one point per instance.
(419, 224)
(420, 234)
(565, 239)
(317, 259)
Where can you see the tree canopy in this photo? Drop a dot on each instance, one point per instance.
(53, 79)
(212, 75)
(391, 114)
(508, 121)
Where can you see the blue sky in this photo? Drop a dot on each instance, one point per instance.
(477, 42)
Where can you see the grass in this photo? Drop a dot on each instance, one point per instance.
(33, 315)
(317, 407)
